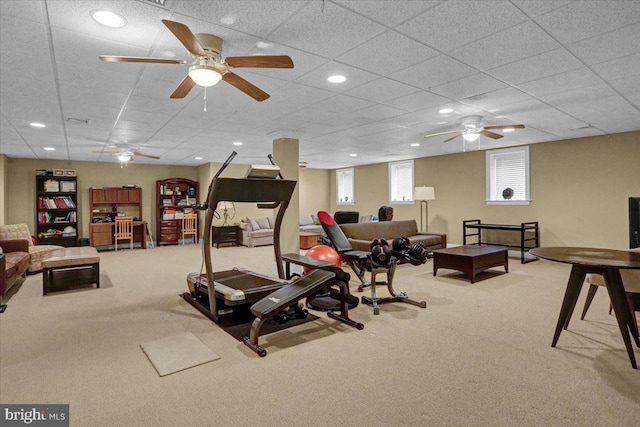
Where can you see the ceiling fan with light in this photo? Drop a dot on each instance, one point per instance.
(473, 128)
(209, 67)
(126, 154)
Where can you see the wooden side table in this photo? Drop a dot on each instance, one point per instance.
(225, 234)
(309, 240)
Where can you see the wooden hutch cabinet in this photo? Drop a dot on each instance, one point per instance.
(56, 210)
(106, 203)
(174, 198)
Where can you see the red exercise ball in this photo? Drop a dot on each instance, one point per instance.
(323, 253)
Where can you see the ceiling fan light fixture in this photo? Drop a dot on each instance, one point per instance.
(124, 157)
(471, 136)
(204, 75)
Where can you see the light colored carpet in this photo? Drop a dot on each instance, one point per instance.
(478, 355)
(177, 353)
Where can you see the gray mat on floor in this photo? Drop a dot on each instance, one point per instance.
(177, 353)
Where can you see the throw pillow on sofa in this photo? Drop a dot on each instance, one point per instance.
(254, 223)
(263, 223)
(306, 220)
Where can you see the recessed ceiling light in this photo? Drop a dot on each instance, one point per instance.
(237, 143)
(264, 45)
(508, 130)
(353, 155)
(415, 144)
(49, 149)
(228, 20)
(108, 18)
(198, 158)
(446, 111)
(337, 79)
(37, 125)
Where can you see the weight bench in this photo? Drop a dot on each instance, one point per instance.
(357, 260)
(290, 295)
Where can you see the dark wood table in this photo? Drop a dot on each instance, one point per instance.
(471, 259)
(606, 262)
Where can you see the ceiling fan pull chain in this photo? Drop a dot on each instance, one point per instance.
(205, 99)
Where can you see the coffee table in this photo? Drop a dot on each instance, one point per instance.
(75, 262)
(471, 259)
(309, 240)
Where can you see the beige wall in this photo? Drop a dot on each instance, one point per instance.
(4, 172)
(20, 186)
(579, 191)
(314, 190)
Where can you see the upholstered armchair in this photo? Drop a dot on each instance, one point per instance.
(38, 253)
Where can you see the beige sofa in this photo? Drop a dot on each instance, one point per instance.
(38, 253)
(361, 234)
(256, 231)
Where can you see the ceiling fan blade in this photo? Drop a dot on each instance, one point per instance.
(248, 88)
(137, 153)
(183, 88)
(111, 58)
(186, 37)
(491, 134)
(504, 127)
(441, 133)
(260, 61)
(458, 133)
(106, 152)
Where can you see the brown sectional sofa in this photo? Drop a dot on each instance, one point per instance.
(361, 234)
(14, 263)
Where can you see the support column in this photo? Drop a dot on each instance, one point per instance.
(285, 154)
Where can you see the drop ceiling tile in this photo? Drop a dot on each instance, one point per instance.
(417, 101)
(469, 86)
(490, 100)
(381, 90)
(31, 10)
(513, 44)
(455, 23)
(387, 53)
(608, 46)
(536, 67)
(143, 22)
(626, 66)
(257, 18)
(570, 80)
(339, 29)
(343, 104)
(587, 18)
(534, 8)
(433, 72)
(70, 74)
(629, 88)
(385, 13)
(318, 77)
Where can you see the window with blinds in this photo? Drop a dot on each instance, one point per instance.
(508, 176)
(344, 187)
(401, 182)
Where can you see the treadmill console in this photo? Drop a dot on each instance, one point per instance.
(262, 171)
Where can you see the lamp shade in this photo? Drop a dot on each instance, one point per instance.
(424, 193)
(124, 157)
(204, 75)
(471, 136)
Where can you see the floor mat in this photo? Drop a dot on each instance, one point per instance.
(177, 353)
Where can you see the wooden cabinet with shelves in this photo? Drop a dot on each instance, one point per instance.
(174, 198)
(56, 210)
(108, 202)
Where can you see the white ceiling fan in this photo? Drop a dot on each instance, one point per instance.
(473, 128)
(125, 153)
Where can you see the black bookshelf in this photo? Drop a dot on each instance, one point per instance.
(57, 210)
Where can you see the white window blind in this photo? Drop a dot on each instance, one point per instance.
(508, 169)
(401, 182)
(344, 187)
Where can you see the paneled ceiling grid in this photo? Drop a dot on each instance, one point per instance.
(562, 68)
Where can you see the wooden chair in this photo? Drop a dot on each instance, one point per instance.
(189, 227)
(124, 230)
(631, 282)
